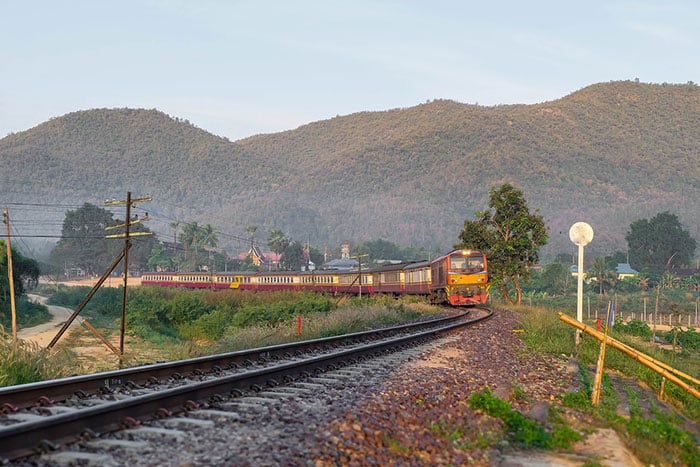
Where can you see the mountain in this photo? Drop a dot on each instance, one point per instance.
(607, 154)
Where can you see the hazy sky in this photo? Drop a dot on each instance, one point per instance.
(238, 68)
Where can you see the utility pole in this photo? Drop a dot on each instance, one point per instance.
(6, 219)
(359, 265)
(127, 244)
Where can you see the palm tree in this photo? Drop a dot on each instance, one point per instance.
(277, 241)
(603, 274)
(208, 236)
(175, 225)
(208, 240)
(190, 237)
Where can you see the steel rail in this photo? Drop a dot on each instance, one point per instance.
(28, 438)
(27, 395)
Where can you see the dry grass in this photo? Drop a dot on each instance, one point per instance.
(26, 362)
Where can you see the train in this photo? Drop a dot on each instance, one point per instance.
(459, 278)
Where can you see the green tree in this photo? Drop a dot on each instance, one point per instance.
(293, 256)
(251, 231)
(380, 249)
(509, 235)
(160, 259)
(208, 237)
(141, 246)
(25, 275)
(555, 279)
(83, 243)
(658, 243)
(175, 225)
(190, 238)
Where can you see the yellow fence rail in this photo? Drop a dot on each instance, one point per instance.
(659, 367)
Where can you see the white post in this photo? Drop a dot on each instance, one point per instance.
(580, 234)
(579, 290)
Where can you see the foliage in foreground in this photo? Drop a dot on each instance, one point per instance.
(26, 362)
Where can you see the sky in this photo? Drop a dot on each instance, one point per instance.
(238, 68)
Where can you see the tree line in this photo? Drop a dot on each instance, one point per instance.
(506, 231)
(511, 236)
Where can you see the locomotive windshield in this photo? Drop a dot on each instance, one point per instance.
(459, 263)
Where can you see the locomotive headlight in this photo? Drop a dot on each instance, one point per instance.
(466, 252)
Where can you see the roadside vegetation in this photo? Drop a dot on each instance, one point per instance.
(168, 324)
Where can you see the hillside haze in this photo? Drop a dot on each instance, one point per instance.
(607, 154)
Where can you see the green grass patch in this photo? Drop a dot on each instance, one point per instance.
(520, 430)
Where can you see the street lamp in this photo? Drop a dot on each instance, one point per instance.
(581, 234)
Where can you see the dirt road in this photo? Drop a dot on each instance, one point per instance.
(44, 333)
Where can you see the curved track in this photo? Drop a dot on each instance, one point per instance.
(39, 416)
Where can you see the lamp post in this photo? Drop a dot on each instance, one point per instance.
(581, 234)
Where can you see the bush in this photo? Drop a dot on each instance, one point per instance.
(210, 326)
(688, 339)
(186, 307)
(635, 327)
(273, 313)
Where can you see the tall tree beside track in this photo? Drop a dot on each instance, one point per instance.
(510, 236)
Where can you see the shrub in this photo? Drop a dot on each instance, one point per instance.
(635, 327)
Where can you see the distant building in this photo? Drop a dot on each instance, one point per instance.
(264, 260)
(624, 270)
(342, 264)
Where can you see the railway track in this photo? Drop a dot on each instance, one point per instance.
(41, 417)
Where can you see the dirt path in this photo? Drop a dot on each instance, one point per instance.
(44, 333)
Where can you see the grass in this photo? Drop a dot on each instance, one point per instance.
(26, 362)
(142, 348)
(354, 317)
(657, 439)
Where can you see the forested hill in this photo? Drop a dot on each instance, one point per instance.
(607, 154)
